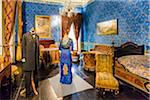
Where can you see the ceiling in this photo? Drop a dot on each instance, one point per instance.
(63, 2)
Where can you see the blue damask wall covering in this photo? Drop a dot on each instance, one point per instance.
(31, 9)
(132, 15)
(133, 22)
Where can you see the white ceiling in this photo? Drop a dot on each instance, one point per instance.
(70, 2)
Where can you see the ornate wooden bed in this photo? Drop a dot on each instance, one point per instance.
(124, 73)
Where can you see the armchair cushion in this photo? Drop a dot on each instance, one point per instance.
(106, 80)
(104, 63)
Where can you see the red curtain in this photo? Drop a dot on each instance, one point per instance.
(77, 25)
(9, 8)
(66, 24)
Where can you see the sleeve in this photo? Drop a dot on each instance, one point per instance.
(24, 46)
(71, 44)
(38, 53)
(60, 46)
(38, 48)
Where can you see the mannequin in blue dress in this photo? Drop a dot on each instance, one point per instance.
(66, 45)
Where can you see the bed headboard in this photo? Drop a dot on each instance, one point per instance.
(129, 48)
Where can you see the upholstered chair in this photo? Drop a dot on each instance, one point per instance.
(1, 63)
(41, 52)
(104, 74)
(75, 56)
(89, 61)
(54, 54)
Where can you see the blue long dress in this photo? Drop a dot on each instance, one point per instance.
(66, 59)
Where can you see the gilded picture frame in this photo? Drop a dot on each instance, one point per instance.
(42, 26)
(109, 27)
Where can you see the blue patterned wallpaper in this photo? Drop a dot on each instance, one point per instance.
(133, 22)
(31, 9)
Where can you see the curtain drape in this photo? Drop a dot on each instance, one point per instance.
(19, 36)
(77, 20)
(9, 19)
(66, 24)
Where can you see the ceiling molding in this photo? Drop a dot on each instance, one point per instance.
(77, 3)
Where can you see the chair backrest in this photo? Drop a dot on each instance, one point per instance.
(89, 59)
(103, 49)
(41, 47)
(104, 63)
(53, 46)
(54, 54)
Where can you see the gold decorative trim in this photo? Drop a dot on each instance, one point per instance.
(42, 26)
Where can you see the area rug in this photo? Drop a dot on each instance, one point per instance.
(61, 90)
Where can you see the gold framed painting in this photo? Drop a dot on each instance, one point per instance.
(42, 26)
(109, 27)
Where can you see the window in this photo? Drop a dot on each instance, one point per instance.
(72, 36)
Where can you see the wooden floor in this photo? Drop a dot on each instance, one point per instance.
(45, 93)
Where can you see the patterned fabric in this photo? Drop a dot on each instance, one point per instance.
(106, 80)
(9, 13)
(19, 46)
(66, 43)
(41, 52)
(89, 60)
(54, 54)
(133, 20)
(104, 63)
(104, 75)
(103, 49)
(66, 60)
(1, 63)
(137, 64)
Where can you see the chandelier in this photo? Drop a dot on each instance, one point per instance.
(68, 9)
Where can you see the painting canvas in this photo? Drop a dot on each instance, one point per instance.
(109, 27)
(42, 26)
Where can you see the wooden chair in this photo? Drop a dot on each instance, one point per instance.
(89, 61)
(54, 54)
(104, 74)
(42, 60)
(41, 52)
(75, 57)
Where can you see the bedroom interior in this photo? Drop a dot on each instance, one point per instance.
(111, 48)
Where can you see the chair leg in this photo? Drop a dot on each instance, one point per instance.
(116, 92)
(102, 92)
